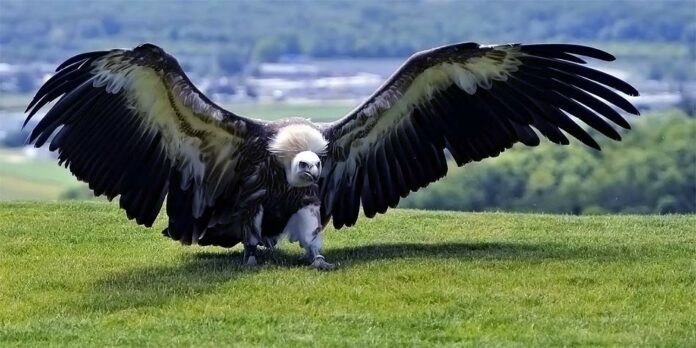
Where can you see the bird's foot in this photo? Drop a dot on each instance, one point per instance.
(320, 263)
(251, 261)
(251, 257)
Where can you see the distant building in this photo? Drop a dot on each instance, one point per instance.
(320, 80)
(298, 78)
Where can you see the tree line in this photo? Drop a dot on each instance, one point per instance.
(652, 170)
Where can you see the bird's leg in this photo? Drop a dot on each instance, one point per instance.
(251, 255)
(251, 242)
(319, 262)
(305, 227)
(312, 246)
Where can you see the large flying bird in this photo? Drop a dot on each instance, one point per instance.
(131, 123)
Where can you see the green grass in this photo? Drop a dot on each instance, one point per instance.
(12, 188)
(80, 274)
(22, 178)
(33, 170)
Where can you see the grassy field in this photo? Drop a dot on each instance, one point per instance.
(23, 178)
(81, 274)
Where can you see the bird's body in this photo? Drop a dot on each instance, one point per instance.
(258, 212)
(263, 204)
(131, 124)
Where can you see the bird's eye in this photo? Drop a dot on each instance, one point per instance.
(303, 165)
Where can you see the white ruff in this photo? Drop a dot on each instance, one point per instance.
(294, 139)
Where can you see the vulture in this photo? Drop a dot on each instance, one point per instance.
(130, 123)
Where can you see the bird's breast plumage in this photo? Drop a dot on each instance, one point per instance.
(280, 206)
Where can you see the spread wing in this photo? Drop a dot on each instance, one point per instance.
(475, 101)
(128, 120)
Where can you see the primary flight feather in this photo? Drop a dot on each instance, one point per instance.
(131, 123)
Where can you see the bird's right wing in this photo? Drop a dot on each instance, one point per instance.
(475, 101)
(129, 120)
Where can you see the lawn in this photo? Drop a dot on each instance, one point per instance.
(24, 178)
(81, 274)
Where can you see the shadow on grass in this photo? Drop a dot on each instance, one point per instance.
(201, 273)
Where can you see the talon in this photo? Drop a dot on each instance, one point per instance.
(320, 263)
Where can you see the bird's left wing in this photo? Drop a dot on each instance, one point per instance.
(130, 122)
(475, 101)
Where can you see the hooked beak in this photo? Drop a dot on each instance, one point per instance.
(312, 174)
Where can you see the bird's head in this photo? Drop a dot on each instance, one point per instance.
(304, 169)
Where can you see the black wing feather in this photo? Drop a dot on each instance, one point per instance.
(475, 102)
(109, 133)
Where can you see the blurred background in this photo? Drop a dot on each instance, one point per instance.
(319, 59)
